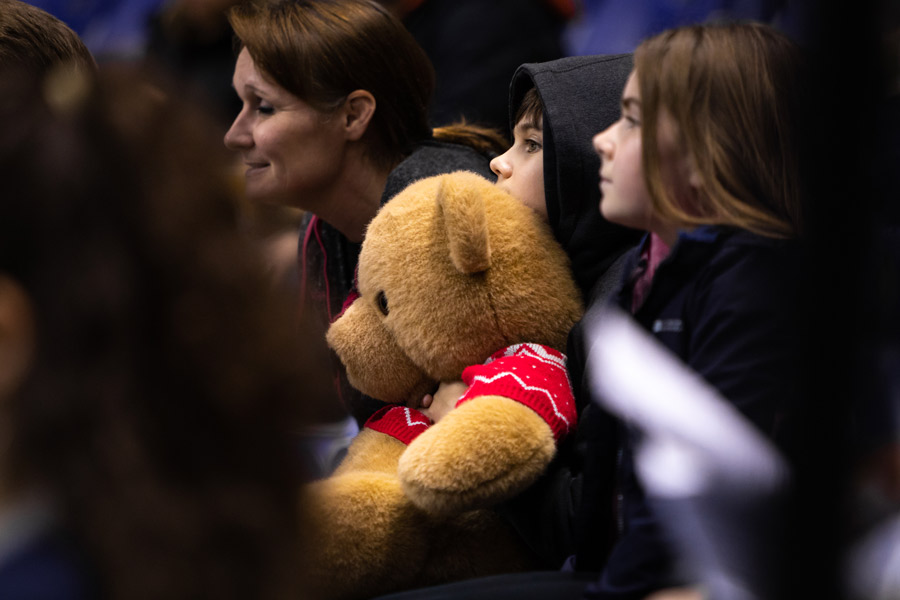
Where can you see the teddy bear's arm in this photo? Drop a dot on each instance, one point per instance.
(500, 437)
(483, 452)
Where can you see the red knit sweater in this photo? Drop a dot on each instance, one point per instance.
(532, 374)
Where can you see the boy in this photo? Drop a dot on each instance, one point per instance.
(555, 109)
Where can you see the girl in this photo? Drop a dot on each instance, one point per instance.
(706, 157)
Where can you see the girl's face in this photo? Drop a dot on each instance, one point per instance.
(625, 199)
(292, 151)
(520, 170)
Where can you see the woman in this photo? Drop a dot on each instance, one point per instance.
(334, 121)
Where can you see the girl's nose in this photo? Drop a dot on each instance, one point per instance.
(602, 143)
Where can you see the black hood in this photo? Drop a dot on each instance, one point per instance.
(581, 96)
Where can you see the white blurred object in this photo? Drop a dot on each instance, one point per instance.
(874, 565)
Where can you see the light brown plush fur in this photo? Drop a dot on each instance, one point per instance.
(465, 270)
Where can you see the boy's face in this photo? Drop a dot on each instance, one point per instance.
(520, 170)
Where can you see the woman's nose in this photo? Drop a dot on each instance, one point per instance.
(238, 135)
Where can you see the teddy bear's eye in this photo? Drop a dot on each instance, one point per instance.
(381, 301)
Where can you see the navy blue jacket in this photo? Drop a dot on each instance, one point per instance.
(726, 302)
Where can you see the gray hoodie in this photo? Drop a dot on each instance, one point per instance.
(581, 96)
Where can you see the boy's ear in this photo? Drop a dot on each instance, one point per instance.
(357, 112)
(17, 335)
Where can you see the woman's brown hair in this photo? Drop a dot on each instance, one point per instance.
(321, 50)
(734, 93)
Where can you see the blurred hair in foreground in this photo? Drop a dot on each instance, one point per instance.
(164, 382)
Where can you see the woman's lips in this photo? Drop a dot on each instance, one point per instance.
(253, 168)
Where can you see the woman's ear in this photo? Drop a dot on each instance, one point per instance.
(17, 335)
(359, 106)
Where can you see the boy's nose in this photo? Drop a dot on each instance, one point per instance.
(500, 166)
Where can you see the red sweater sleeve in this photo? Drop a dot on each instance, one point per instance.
(532, 374)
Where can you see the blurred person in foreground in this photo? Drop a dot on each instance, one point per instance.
(148, 373)
(33, 41)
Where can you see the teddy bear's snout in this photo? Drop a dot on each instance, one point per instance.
(375, 364)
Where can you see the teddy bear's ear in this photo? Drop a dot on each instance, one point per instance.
(465, 221)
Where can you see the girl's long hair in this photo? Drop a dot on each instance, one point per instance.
(734, 93)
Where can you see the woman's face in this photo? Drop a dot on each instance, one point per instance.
(292, 151)
(520, 170)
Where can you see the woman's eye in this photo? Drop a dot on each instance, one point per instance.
(631, 121)
(381, 301)
(532, 146)
(265, 108)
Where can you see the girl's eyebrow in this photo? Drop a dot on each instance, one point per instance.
(630, 101)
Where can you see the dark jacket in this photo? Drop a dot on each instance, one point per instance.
(726, 302)
(328, 259)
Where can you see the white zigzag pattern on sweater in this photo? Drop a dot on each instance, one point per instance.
(484, 379)
(536, 352)
(409, 422)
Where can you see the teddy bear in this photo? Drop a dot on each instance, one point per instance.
(457, 280)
